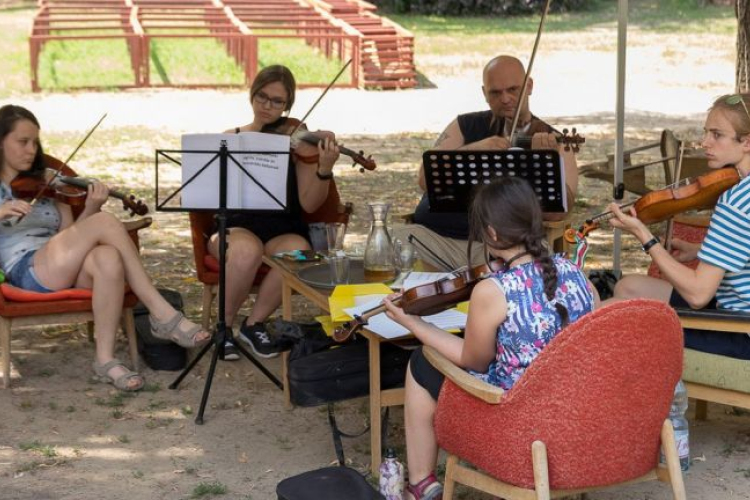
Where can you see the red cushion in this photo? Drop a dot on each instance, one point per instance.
(16, 294)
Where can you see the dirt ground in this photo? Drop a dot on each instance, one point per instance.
(64, 437)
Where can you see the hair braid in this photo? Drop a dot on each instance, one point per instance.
(539, 251)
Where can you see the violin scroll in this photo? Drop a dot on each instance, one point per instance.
(572, 141)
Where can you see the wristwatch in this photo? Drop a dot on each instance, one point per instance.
(650, 243)
(324, 177)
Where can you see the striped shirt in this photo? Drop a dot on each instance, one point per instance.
(727, 246)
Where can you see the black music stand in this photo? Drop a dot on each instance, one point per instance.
(452, 176)
(222, 334)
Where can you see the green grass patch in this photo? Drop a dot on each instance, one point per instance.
(45, 450)
(203, 489)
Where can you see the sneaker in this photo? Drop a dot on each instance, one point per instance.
(257, 338)
(231, 353)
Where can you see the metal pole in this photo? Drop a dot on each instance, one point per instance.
(622, 37)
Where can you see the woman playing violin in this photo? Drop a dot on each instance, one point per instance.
(251, 236)
(722, 278)
(512, 315)
(46, 250)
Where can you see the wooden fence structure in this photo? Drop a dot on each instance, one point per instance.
(382, 52)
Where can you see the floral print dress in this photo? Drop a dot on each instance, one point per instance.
(532, 320)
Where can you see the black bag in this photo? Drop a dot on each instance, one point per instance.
(329, 483)
(159, 354)
(337, 373)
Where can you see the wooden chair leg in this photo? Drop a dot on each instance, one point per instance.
(541, 471)
(450, 483)
(673, 460)
(5, 325)
(128, 327)
(90, 331)
(208, 299)
(701, 409)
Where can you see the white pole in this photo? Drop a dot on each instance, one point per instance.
(622, 40)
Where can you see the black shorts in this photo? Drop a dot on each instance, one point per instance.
(733, 345)
(425, 374)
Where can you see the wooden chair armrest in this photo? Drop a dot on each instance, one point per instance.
(714, 319)
(137, 225)
(481, 390)
(404, 218)
(699, 220)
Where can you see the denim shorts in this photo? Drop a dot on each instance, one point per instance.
(23, 276)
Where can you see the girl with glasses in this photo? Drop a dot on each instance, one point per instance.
(722, 278)
(252, 236)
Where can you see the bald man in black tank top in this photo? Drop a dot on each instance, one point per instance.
(446, 234)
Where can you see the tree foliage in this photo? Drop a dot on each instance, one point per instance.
(482, 7)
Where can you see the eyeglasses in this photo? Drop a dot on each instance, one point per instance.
(261, 98)
(735, 99)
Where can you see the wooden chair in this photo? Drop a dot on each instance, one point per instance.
(710, 377)
(590, 412)
(207, 267)
(20, 308)
(634, 173)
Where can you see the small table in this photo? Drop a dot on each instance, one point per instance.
(319, 296)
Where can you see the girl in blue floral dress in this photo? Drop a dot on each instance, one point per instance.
(513, 315)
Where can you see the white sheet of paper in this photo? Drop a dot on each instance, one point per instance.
(271, 171)
(389, 329)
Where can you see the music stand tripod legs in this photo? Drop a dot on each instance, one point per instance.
(223, 334)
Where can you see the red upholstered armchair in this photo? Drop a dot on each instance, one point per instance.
(207, 267)
(591, 411)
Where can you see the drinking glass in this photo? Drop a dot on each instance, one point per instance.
(335, 232)
(339, 264)
(404, 255)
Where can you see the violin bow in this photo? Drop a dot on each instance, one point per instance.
(335, 78)
(58, 172)
(524, 91)
(670, 222)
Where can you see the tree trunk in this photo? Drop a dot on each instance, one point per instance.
(742, 79)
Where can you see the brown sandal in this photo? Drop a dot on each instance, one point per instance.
(172, 330)
(121, 382)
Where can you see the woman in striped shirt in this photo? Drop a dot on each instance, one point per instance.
(722, 278)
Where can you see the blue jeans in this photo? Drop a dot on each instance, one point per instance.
(733, 345)
(23, 276)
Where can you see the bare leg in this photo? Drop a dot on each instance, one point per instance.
(244, 253)
(60, 261)
(642, 287)
(269, 294)
(103, 272)
(421, 442)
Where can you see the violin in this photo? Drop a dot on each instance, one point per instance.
(298, 134)
(659, 205)
(68, 188)
(570, 142)
(427, 299)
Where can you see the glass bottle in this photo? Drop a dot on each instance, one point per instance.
(378, 263)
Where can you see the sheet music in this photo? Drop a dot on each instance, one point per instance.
(389, 329)
(422, 278)
(270, 171)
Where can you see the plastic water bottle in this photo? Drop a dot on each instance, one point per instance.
(391, 477)
(680, 424)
